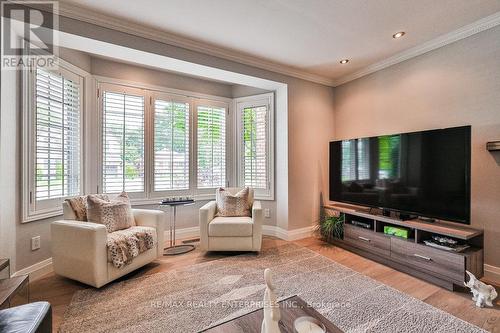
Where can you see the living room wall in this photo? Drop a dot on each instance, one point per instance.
(455, 85)
(310, 118)
(310, 127)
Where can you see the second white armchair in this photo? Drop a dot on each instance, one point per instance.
(242, 233)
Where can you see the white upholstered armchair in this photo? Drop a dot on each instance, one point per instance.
(79, 249)
(231, 233)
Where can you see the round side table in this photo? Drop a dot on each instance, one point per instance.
(175, 249)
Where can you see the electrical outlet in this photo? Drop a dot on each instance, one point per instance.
(267, 213)
(35, 243)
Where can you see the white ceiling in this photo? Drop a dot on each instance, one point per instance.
(310, 35)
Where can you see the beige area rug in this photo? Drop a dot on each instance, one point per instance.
(200, 296)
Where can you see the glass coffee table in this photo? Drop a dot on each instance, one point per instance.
(291, 309)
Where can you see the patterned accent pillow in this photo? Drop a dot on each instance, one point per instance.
(115, 215)
(232, 205)
(79, 205)
(123, 197)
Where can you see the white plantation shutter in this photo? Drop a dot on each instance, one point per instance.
(255, 147)
(348, 160)
(211, 146)
(171, 145)
(122, 142)
(363, 158)
(57, 120)
(255, 137)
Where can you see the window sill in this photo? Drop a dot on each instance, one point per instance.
(200, 197)
(33, 217)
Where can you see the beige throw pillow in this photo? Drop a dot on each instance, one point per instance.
(79, 205)
(115, 215)
(232, 205)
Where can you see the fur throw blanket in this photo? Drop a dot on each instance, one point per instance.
(124, 245)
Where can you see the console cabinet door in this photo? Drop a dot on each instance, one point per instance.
(367, 240)
(436, 262)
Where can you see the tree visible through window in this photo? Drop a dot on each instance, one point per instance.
(389, 151)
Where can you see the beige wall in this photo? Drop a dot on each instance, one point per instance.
(455, 85)
(9, 171)
(149, 76)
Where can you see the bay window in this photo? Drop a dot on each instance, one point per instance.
(148, 142)
(157, 143)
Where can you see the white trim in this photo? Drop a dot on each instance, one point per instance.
(288, 235)
(44, 267)
(183, 233)
(267, 230)
(301, 233)
(492, 273)
(161, 89)
(103, 20)
(271, 230)
(266, 99)
(436, 43)
(96, 18)
(87, 15)
(29, 210)
(36, 271)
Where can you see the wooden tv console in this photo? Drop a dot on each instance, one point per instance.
(412, 256)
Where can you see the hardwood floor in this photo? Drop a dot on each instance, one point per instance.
(59, 291)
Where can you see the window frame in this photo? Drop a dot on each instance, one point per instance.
(165, 96)
(256, 101)
(120, 89)
(152, 91)
(209, 191)
(32, 210)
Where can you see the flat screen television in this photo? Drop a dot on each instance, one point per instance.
(421, 173)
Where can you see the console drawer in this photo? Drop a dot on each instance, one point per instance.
(450, 265)
(367, 240)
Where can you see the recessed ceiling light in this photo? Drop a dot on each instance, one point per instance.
(344, 61)
(398, 34)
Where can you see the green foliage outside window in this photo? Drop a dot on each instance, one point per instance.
(389, 147)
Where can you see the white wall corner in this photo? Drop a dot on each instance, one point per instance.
(492, 273)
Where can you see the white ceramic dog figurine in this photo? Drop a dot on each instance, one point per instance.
(272, 314)
(482, 293)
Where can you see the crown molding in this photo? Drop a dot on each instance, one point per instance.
(94, 17)
(466, 31)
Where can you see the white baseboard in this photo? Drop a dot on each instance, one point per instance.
(44, 267)
(288, 235)
(492, 273)
(37, 270)
(183, 233)
(271, 230)
(268, 230)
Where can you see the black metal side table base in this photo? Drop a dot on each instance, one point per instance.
(177, 249)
